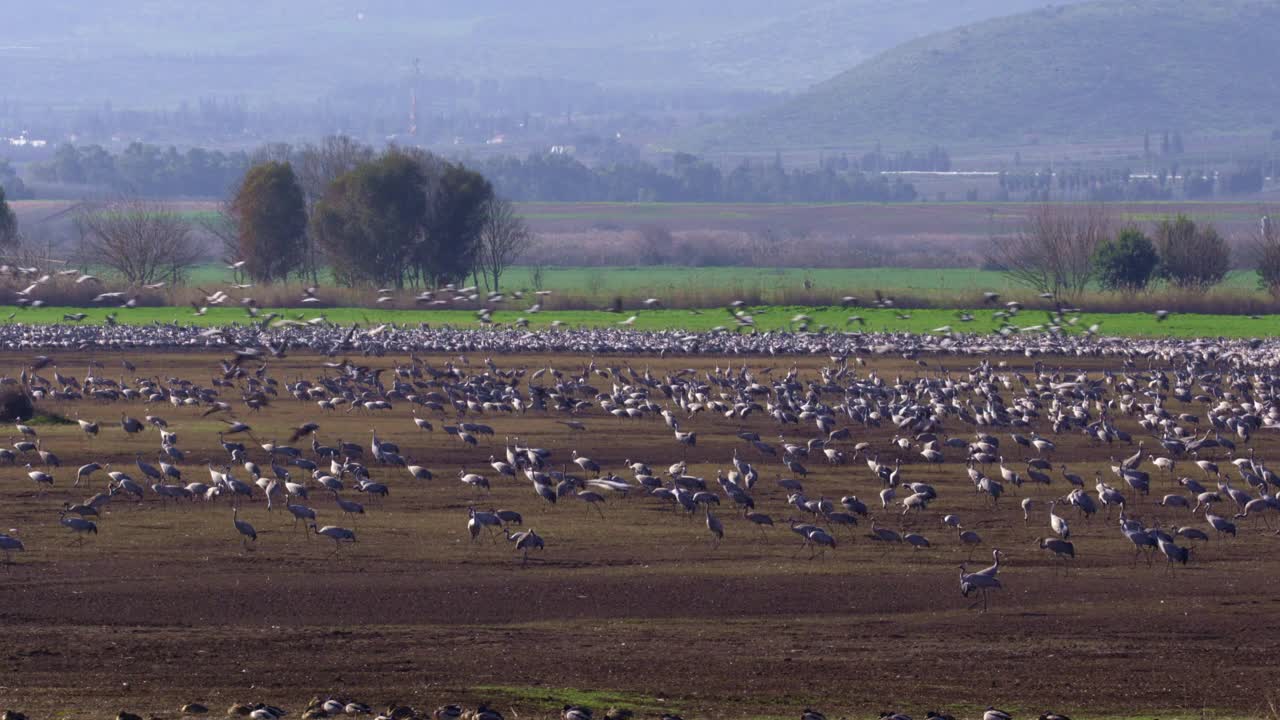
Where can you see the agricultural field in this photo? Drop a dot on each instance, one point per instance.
(763, 319)
(632, 602)
(708, 286)
(859, 220)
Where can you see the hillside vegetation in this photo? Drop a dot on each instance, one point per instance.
(76, 51)
(1091, 70)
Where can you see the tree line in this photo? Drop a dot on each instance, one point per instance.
(166, 172)
(559, 177)
(1063, 250)
(400, 217)
(1116, 185)
(144, 170)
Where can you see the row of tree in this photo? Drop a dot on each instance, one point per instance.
(1116, 185)
(1064, 249)
(144, 170)
(1179, 251)
(562, 178)
(401, 217)
(159, 172)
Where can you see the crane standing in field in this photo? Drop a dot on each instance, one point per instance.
(1028, 402)
(247, 533)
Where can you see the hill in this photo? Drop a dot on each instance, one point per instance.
(1091, 70)
(146, 54)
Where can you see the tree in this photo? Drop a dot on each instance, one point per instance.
(370, 219)
(1053, 251)
(1267, 248)
(8, 223)
(271, 217)
(503, 238)
(655, 245)
(143, 242)
(1126, 263)
(1191, 257)
(223, 226)
(11, 184)
(318, 166)
(456, 202)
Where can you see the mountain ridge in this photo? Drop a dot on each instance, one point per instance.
(1095, 69)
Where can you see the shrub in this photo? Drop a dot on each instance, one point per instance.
(1268, 252)
(1127, 263)
(15, 404)
(1192, 257)
(1053, 252)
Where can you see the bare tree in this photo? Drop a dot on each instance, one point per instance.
(1266, 252)
(1053, 251)
(221, 224)
(317, 167)
(143, 242)
(504, 237)
(8, 224)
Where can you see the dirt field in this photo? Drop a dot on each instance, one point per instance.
(637, 608)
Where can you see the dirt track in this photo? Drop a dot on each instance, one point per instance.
(164, 607)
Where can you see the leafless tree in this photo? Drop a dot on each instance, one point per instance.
(143, 242)
(504, 237)
(317, 167)
(1266, 251)
(1053, 251)
(538, 275)
(221, 225)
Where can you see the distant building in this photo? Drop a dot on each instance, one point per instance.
(23, 141)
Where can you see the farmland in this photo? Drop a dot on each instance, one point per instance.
(631, 604)
(861, 221)
(772, 318)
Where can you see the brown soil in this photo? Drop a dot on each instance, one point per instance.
(164, 607)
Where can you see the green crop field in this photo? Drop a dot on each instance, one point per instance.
(765, 319)
(657, 279)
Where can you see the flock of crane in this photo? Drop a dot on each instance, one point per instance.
(332, 707)
(1153, 453)
(976, 418)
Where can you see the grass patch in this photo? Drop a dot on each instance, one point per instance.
(549, 699)
(49, 419)
(767, 318)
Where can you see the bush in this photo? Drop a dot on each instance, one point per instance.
(15, 404)
(1127, 263)
(1192, 257)
(1053, 252)
(1268, 255)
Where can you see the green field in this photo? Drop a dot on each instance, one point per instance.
(767, 318)
(659, 279)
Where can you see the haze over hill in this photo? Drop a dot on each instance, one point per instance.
(148, 53)
(1092, 70)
